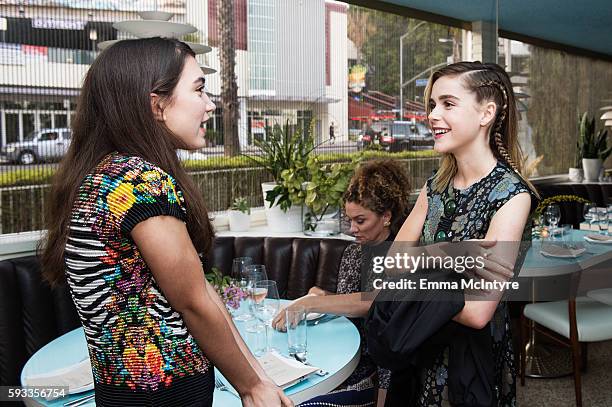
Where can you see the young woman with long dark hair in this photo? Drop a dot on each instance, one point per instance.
(125, 227)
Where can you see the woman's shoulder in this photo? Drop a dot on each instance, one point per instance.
(125, 167)
(506, 184)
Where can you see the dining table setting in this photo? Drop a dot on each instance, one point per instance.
(314, 355)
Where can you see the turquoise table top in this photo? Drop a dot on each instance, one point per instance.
(538, 265)
(332, 346)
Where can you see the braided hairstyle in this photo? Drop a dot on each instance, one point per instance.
(489, 82)
(379, 186)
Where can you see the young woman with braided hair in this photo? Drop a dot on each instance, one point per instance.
(478, 193)
(377, 203)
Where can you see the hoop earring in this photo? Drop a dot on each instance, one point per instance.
(387, 224)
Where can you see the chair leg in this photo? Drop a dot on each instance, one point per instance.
(575, 344)
(524, 334)
(584, 354)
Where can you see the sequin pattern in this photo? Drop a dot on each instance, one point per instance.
(135, 338)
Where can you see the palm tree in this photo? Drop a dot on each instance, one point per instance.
(229, 87)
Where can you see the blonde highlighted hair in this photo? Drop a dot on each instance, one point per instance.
(489, 82)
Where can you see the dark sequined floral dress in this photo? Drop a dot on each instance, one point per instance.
(474, 207)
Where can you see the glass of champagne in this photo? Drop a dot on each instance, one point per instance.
(239, 275)
(253, 273)
(266, 305)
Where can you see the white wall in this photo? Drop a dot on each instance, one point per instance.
(338, 112)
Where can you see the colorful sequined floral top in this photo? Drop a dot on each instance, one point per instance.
(136, 340)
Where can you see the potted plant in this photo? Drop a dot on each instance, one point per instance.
(575, 172)
(593, 147)
(284, 154)
(239, 215)
(323, 195)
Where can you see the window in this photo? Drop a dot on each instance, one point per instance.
(48, 136)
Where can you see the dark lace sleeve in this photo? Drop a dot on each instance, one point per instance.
(349, 280)
(384, 378)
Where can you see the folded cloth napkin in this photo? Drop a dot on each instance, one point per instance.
(74, 376)
(599, 238)
(554, 250)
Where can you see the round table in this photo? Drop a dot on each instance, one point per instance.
(551, 361)
(332, 346)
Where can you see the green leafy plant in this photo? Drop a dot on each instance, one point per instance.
(591, 145)
(285, 152)
(324, 190)
(240, 204)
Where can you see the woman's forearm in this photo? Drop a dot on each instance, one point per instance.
(215, 337)
(354, 305)
(241, 344)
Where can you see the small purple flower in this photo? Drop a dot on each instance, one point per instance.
(232, 295)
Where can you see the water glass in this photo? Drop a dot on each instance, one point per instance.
(589, 212)
(255, 338)
(240, 277)
(566, 235)
(297, 338)
(602, 220)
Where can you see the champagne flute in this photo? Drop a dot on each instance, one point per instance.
(552, 215)
(240, 277)
(266, 305)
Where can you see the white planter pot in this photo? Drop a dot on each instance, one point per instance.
(239, 221)
(279, 220)
(592, 169)
(575, 174)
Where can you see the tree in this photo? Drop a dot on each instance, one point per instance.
(229, 87)
(380, 47)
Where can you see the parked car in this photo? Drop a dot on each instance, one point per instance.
(407, 135)
(41, 145)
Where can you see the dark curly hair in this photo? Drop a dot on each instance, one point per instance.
(379, 186)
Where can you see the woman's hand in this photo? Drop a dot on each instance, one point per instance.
(265, 394)
(317, 291)
(279, 322)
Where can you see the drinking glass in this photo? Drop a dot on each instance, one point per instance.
(253, 273)
(552, 216)
(266, 304)
(296, 331)
(255, 339)
(588, 211)
(239, 275)
(602, 220)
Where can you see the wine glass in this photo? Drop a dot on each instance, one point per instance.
(253, 273)
(266, 304)
(239, 275)
(552, 215)
(588, 211)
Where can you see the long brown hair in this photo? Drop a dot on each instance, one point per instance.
(114, 114)
(489, 82)
(379, 186)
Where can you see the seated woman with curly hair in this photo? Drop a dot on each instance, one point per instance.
(376, 203)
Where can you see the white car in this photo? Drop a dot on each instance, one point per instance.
(185, 155)
(41, 145)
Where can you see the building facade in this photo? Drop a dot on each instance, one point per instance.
(291, 62)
